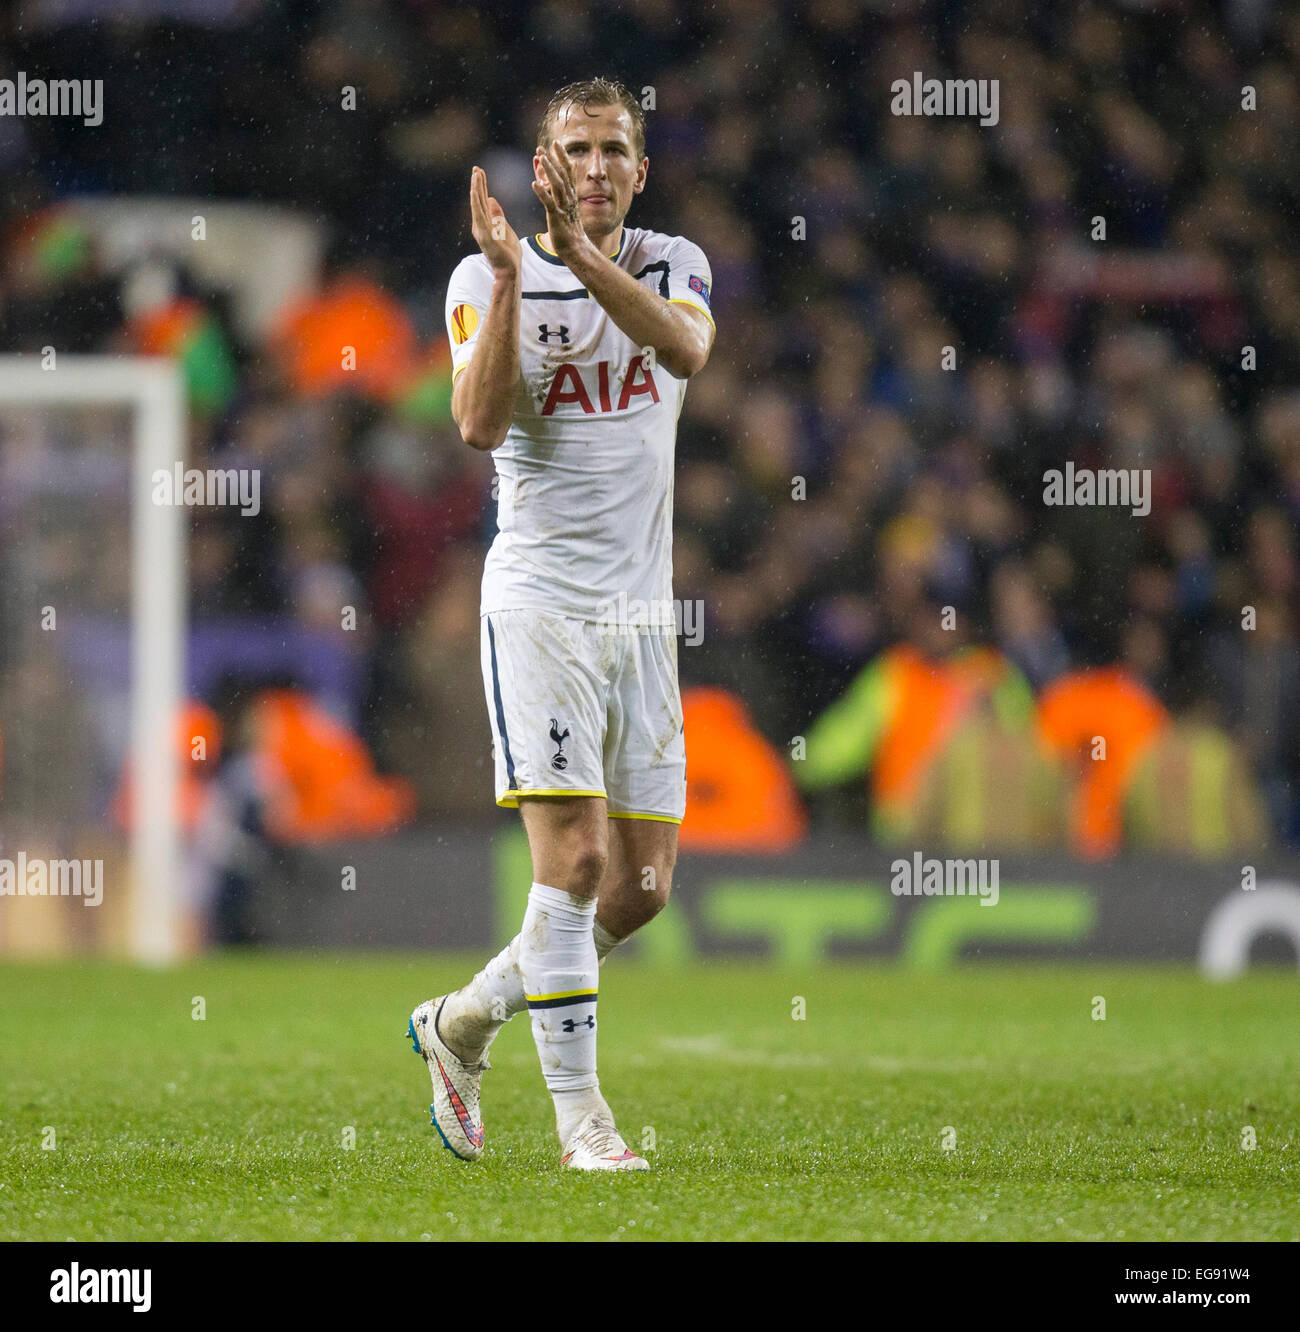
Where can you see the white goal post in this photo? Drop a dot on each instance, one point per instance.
(153, 389)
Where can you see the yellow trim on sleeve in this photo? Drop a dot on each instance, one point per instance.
(681, 300)
(464, 365)
(656, 818)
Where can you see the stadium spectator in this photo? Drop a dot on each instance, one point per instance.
(902, 713)
(830, 468)
(740, 796)
(1102, 722)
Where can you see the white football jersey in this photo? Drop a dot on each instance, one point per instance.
(585, 503)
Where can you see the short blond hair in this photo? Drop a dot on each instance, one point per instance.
(594, 92)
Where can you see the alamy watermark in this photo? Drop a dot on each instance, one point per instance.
(919, 96)
(1127, 487)
(75, 1284)
(35, 877)
(633, 615)
(216, 486)
(920, 877)
(22, 96)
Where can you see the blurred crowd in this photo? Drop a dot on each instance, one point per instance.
(839, 491)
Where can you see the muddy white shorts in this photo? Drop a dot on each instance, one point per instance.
(578, 708)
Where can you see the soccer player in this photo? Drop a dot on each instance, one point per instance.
(571, 354)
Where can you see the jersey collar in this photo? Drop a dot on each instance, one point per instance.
(538, 246)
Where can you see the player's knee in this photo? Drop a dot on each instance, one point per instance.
(585, 867)
(654, 887)
(663, 884)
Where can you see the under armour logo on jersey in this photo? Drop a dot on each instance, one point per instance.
(559, 761)
(544, 333)
(570, 1025)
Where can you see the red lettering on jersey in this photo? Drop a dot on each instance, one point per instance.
(647, 385)
(578, 393)
(568, 386)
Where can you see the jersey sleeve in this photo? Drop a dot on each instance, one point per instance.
(468, 295)
(690, 279)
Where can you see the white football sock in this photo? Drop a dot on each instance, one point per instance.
(472, 1016)
(605, 942)
(557, 960)
(572, 1107)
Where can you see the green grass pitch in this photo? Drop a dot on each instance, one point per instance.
(830, 1127)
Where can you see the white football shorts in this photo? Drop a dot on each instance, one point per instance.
(583, 708)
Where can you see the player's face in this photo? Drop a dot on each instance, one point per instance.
(599, 144)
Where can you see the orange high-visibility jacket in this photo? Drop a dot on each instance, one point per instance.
(1102, 721)
(198, 742)
(354, 313)
(896, 718)
(739, 794)
(323, 781)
